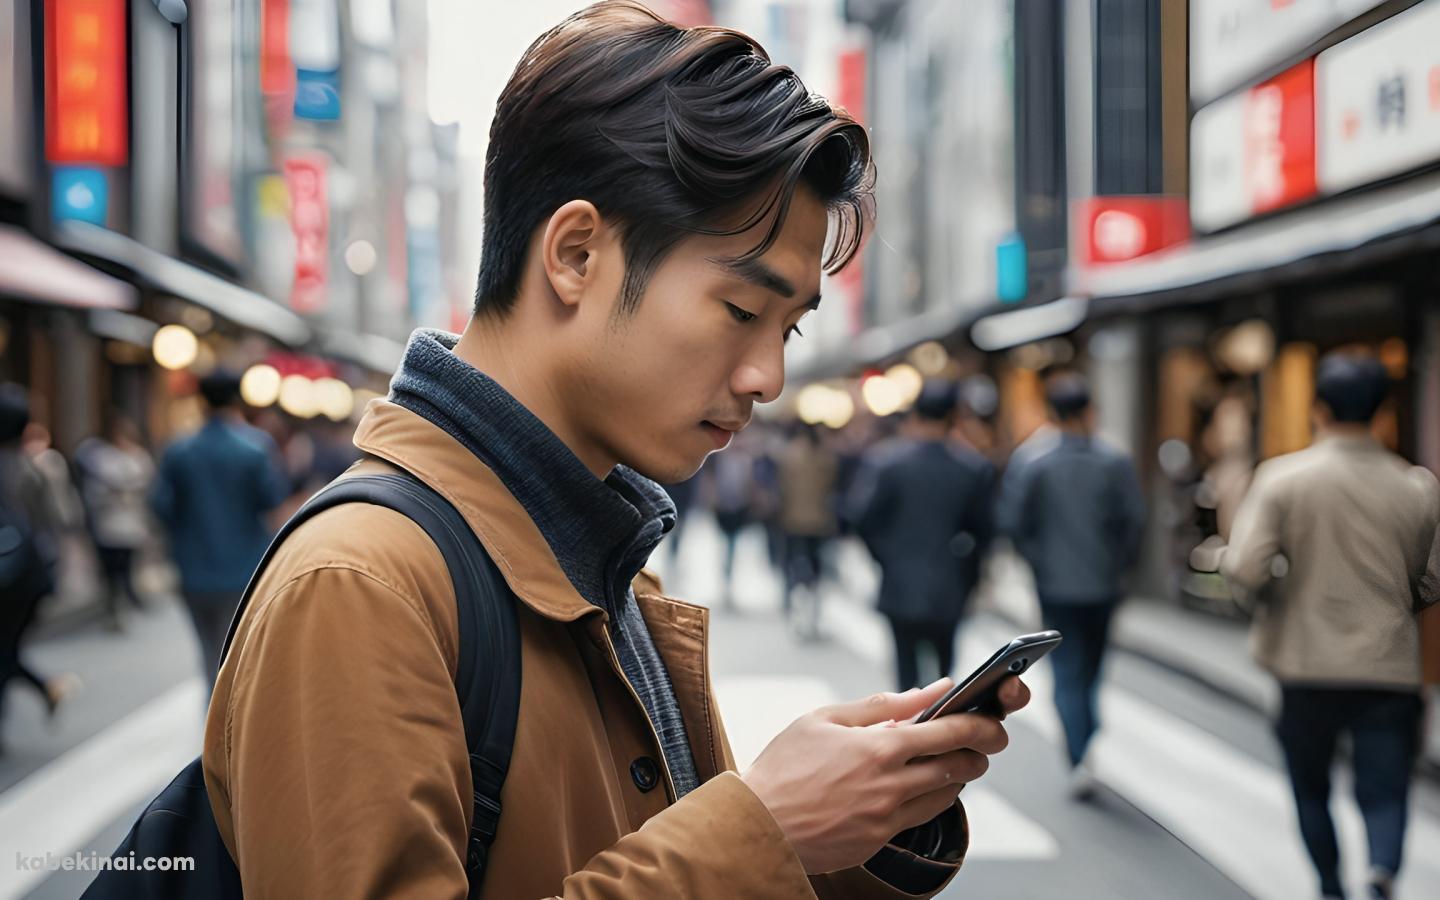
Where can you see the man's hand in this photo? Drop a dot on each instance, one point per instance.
(843, 780)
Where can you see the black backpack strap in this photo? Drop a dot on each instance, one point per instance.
(487, 677)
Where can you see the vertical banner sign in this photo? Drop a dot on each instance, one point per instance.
(310, 219)
(85, 82)
(850, 94)
(277, 71)
(1280, 139)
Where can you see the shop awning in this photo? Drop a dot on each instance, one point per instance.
(1341, 233)
(164, 273)
(379, 355)
(35, 271)
(877, 345)
(1013, 327)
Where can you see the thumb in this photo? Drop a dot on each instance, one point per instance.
(885, 707)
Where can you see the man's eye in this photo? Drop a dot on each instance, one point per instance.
(741, 315)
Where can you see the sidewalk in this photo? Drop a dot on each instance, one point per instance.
(1211, 650)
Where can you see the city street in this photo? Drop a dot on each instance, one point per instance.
(1194, 804)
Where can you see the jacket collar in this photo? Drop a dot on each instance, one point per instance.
(402, 438)
(601, 532)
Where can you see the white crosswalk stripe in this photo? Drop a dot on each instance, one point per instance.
(59, 808)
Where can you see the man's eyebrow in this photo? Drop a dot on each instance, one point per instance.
(758, 274)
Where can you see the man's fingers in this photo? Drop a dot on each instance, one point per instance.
(924, 776)
(1014, 694)
(948, 733)
(886, 707)
(925, 807)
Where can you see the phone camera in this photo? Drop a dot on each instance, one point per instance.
(1019, 665)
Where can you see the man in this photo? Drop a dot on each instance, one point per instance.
(656, 209)
(807, 474)
(1350, 526)
(1075, 513)
(212, 493)
(924, 513)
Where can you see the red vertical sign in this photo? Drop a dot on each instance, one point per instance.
(1280, 139)
(851, 95)
(85, 83)
(310, 218)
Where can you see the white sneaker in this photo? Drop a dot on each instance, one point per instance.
(1083, 784)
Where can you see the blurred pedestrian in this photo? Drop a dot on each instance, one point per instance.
(1342, 534)
(807, 478)
(924, 512)
(27, 551)
(730, 482)
(115, 475)
(1074, 510)
(682, 495)
(212, 494)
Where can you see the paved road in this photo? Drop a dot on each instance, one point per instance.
(1195, 804)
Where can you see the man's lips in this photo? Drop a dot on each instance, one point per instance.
(721, 433)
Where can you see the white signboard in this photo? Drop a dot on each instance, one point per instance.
(1233, 42)
(1219, 194)
(1377, 99)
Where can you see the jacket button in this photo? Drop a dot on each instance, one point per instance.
(645, 773)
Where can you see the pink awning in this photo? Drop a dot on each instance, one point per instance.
(35, 271)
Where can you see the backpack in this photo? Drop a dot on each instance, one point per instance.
(180, 823)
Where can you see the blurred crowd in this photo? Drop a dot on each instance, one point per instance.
(118, 524)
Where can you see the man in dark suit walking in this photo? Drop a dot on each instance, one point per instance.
(924, 513)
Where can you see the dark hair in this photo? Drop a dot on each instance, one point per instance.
(1352, 386)
(669, 131)
(937, 401)
(14, 413)
(221, 389)
(1067, 395)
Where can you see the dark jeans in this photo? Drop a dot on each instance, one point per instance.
(909, 637)
(802, 562)
(211, 612)
(1077, 662)
(17, 612)
(731, 523)
(118, 566)
(1384, 728)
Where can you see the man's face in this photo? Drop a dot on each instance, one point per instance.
(665, 386)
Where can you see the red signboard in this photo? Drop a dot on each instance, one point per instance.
(1116, 229)
(310, 218)
(85, 83)
(1280, 139)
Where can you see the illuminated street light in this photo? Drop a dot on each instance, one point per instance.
(334, 399)
(175, 347)
(298, 397)
(260, 386)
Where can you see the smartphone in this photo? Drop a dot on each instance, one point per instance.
(979, 692)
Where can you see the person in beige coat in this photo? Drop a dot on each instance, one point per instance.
(657, 205)
(1334, 544)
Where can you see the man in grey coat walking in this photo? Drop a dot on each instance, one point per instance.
(1075, 513)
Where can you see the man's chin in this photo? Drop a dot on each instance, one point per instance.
(668, 471)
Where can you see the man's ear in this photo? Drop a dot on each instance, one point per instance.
(568, 248)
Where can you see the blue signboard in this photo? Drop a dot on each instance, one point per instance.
(1010, 269)
(317, 95)
(80, 193)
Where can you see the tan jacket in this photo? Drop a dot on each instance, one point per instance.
(335, 756)
(1354, 524)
